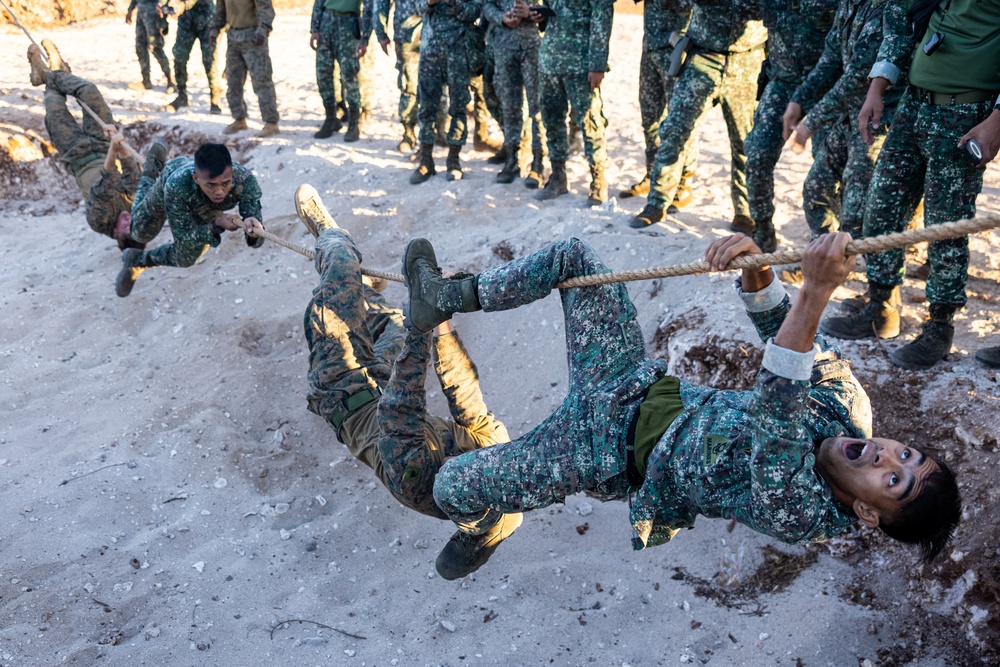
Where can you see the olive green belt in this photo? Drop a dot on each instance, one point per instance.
(352, 404)
(82, 162)
(970, 97)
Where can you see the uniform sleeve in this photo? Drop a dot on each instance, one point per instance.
(183, 222)
(381, 17)
(601, 16)
(249, 207)
(466, 11)
(848, 93)
(826, 71)
(101, 211)
(317, 14)
(219, 17)
(132, 5)
(766, 308)
(265, 13)
(493, 13)
(897, 45)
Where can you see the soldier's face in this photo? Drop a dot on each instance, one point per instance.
(875, 477)
(215, 187)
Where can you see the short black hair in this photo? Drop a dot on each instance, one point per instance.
(929, 519)
(212, 158)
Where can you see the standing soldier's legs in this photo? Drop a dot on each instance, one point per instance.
(154, 26)
(739, 100)
(407, 64)
(211, 64)
(258, 60)
(457, 65)
(236, 75)
(432, 73)
(587, 110)
(858, 171)
(345, 52)
(507, 76)
(822, 190)
(554, 106)
(325, 64)
(529, 75)
(142, 50)
(366, 82)
(763, 150)
(183, 43)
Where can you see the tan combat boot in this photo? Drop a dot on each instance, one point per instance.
(269, 130)
(311, 210)
(39, 70)
(236, 126)
(56, 61)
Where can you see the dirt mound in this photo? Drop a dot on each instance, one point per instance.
(60, 12)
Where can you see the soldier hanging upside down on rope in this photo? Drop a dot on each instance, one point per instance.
(793, 458)
(366, 374)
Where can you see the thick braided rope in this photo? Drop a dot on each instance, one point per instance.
(947, 230)
(373, 273)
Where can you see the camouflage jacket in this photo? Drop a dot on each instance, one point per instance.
(796, 31)
(727, 26)
(748, 455)
(243, 14)
(405, 19)
(446, 24)
(896, 50)
(577, 38)
(525, 35)
(660, 18)
(112, 194)
(837, 85)
(184, 200)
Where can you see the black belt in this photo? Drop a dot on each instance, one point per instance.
(336, 13)
(352, 404)
(970, 97)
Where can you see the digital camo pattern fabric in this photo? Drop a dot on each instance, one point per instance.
(338, 44)
(741, 455)
(357, 343)
(660, 18)
(196, 24)
(243, 57)
(921, 157)
(149, 31)
(174, 195)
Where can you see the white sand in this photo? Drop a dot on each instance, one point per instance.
(205, 504)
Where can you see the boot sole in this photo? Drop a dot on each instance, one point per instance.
(415, 249)
(828, 331)
(909, 366)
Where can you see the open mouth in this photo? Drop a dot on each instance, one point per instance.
(854, 450)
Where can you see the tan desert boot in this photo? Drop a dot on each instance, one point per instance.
(236, 126)
(269, 130)
(39, 70)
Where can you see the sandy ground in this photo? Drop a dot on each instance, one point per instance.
(171, 501)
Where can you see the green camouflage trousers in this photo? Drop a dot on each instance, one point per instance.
(570, 93)
(836, 188)
(437, 69)
(358, 343)
(516, 79)
(77, 144)
(338, 44)
(243, 58)
(581, 446)
(921, 157)
(191, 237)
(655, 89)
(707, 79)
(485, 99)
(149, 31)
(196, 25)
(407, 44)
(764, 145)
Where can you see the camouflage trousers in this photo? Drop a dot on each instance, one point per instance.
(921, 157)
(78, 145)
(191, 26)
(764, 145)
(655, 90)
(358, 343)
(516, 78)
(560, 94)
(407, 67)
(836, 188)
(570, 450)
(707, 79)
(338, 45)
(485, 99)
(439, 68)
(149, 31)
(149, 214)
(242, 57)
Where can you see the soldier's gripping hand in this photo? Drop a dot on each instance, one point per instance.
(790, 119)
(361, 50)
(870, 117)
(826, 264)
(987, 134)
(724, 250)
(314, 41)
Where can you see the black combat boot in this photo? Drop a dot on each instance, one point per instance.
(331, 125)
(425, 168)
(932, 345)
(536, 174)
(648, 216)
(511, 168)
(156, 157)
(879, 318)
(557, 182)
(353, 125)
(434, 299)
(855, 303)
(764, 235)
(465, 553)
(409, 141)
(989, 356)
(133, 265)
(147, 83)
(500, 157)
(179, 102)
(598, 187)
(453, 164)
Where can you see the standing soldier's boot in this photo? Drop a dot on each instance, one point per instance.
(511, 168)
(878, 318)
(536, 174)
(425, 169)
(598, 187)
(132, 267)
(147, 83)
(409, 140)
(932, 345)
(453, 164)
(764, 236)
(500, 157)
(684, 195)
(180, 101)
(640, 189)
(215, 97)
(236, 126)
(649, 215)
(353, 125)
(557, 182)
(171, 87)
(269, 130)
(331, 125)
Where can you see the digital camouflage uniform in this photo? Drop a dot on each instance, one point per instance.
(407, 23)
(796, 32)
(196, 24)
(338, 23)
(149, 31)
(738, 455)
(834, 92)
(920, 156)
(575, 44)
(515, 55)
(660, 18)
(248, 19)
(485, 98)
(359, 348)
(82, 148)
(445, 60)
(175, 196)
(727, 49)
